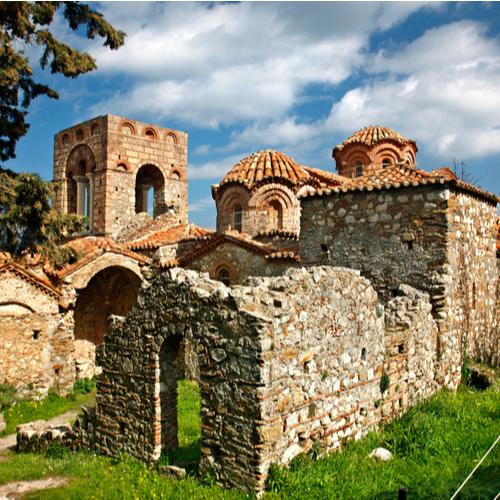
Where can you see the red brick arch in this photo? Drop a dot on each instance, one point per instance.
(127, 124)
(267, 193)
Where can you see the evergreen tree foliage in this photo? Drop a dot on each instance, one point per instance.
(25, 24)
(28, 223)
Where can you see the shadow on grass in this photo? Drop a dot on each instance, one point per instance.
(187, 456)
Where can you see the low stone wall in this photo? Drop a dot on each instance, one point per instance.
(284, 363)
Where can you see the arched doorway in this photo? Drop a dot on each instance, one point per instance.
(113, 290)
(149, 190)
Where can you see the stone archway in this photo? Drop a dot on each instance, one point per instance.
(111, 291)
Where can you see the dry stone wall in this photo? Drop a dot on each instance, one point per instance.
(284, 362)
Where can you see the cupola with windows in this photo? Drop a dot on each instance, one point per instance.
(371, 148)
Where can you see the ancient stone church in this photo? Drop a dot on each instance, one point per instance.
(335, 279)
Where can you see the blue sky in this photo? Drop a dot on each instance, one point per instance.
(297, 77)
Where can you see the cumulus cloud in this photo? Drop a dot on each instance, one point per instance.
(220, 64)
(441, 89)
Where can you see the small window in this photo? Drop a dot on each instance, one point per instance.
(36, 334)
(80, 135)
(94, 130)
(358, 169)
(224, 276)
(386, 163)
(237, 217)
(363, 353)
(65, 139)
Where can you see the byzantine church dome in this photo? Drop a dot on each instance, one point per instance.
(258, 196)
(371, 148)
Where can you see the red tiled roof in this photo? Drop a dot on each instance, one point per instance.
(182, 232)
(242, 240)
(375, 134)
(270, 164)
(42, 283)
(91, 247)
(399, 176)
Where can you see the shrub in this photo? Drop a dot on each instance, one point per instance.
(8, 395)
(84, 386)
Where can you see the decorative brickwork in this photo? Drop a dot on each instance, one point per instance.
(105, 167)
(372, 148)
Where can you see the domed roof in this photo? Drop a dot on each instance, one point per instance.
(266, 164)
(374, 134)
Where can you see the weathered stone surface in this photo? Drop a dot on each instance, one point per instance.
(173, 471)
(434, 238)
(39, 435)
(3, 425)
(284, 363)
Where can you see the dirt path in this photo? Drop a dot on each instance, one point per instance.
(14, 490)
(9, 441)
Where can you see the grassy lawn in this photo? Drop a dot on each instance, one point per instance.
(435, 446)
(28, 411)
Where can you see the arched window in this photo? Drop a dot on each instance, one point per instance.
(237, 217)
(386, 162)
(149, 188)
(224, 276)
(65, 139)
(275, 215)
(358, 169)
(150, 133)
(94, 130)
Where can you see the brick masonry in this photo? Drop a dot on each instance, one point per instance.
(111, 150)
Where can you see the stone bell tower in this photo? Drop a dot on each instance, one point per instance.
(110, 169)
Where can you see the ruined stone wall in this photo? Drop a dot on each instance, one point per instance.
(473, 277)
(431, 238)
(284, 362)
(240, 263)
(36, 346)
(325, 355)
(120, 147)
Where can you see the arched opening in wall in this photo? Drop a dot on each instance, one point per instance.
(150, 133)
(224, 275)
(275, 215)
(386, 162)
(149, 190)
(113, 290)
(80, 135)
(94, 129)
(65, 139)
(180, 419)
(237, 217)
(80, 182)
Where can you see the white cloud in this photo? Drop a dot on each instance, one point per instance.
(202, 204)
(213, 169)
(441, 89)
(227, 63)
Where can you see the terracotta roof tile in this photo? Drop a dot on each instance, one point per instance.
(399, 176)
(175, 234)
(41, 282)
(266, 164)
(91, 247)
(375, 134)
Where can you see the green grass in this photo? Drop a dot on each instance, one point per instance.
(189, 427)
(435, 446)
(29, 410)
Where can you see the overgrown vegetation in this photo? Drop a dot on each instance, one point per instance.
(435, 446)
(7, 395)
(22, 411)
